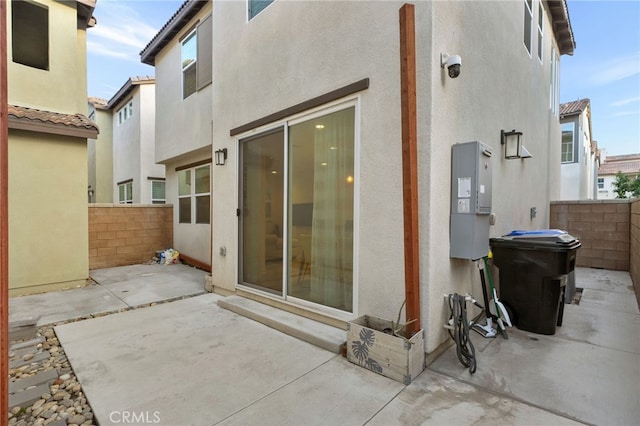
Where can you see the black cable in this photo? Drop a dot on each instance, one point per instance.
(460, 333)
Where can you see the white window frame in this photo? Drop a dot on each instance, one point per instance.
(125, 112)
(554, 102)
(192, 35)
(573, 143)
(528, 18)
(251, 16)
(128, 192)
(540, 31)
(193, 195)
(158, 200)
(601, 183)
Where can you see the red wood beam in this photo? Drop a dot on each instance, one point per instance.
(4, 228)
(410, 166)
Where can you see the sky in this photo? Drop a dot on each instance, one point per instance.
(605, 66)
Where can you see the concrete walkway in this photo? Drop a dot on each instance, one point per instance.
(191, 362)
(114, 289)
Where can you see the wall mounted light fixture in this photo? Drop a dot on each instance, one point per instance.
(221, 156)
(513, 147)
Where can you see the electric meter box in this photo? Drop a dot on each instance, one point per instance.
(470, 200)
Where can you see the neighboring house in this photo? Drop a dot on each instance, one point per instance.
(579, 152)
(100, 151)
(182, 56)
(137, 179)
(308, 206)
(626, 164)
(48, 133)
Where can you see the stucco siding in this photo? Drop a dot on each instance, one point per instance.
(501, 87)
(183, 125)
(48, 242)
(49, 89)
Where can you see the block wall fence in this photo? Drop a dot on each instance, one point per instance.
(128, 234)
(603, 227)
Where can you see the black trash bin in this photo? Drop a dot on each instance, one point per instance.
(534, 268)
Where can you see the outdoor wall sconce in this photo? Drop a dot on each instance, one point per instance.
(221, 156)
(513, 147)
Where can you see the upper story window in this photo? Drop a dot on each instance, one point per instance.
(568, 138)
(257, 6)
(540, 32)
(197, 58)
(554, 86)
(600, 183)
(189, 58)
(528, 23)
(125, 112)
(30, 34)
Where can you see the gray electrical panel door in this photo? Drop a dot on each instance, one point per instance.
(470, 200)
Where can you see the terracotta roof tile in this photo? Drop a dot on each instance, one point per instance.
(627, 164)
(73, 120)
(574, 107)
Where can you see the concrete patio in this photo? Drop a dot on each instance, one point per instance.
(191, 362)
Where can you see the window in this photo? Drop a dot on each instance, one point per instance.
(197, 65)
(157, 192)
(125, 112)
(540, 26)
(567, 142)
(125, 192)
(30, 34)
(194, 195)
(600, 183)
(257, 6)
(555, 78)
(189, 57)
(528, 21)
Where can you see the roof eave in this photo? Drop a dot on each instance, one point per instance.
(561, 26)
(125, 90)
(168, 32)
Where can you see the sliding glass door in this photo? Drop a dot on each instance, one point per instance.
(312, 260)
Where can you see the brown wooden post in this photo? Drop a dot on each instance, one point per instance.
(410, 165)
(4, 228)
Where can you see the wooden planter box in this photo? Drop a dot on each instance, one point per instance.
(371, 344)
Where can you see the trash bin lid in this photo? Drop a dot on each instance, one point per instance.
(540, 238)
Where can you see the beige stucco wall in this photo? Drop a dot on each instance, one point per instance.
(50, 90)
(133, 144)
(192, 239)
(304, 58)
(182, 125)
(100, 158)
(183, 136)
(48, 241)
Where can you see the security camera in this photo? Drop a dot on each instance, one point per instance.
(452, 63)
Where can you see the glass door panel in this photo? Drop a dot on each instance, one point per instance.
(261, 217)
(321, 198)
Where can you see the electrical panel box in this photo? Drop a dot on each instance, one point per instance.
(470, 200)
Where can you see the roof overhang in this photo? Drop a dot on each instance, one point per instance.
(128, 88)
(561, 26)
(34, 120)
(168, 32)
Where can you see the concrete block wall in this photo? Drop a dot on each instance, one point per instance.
(635, 248)
(127, 234)
(603, 227)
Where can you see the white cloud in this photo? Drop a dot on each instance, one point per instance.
(616, 69)
(120, 31)
(625, 113)
(627, 101)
